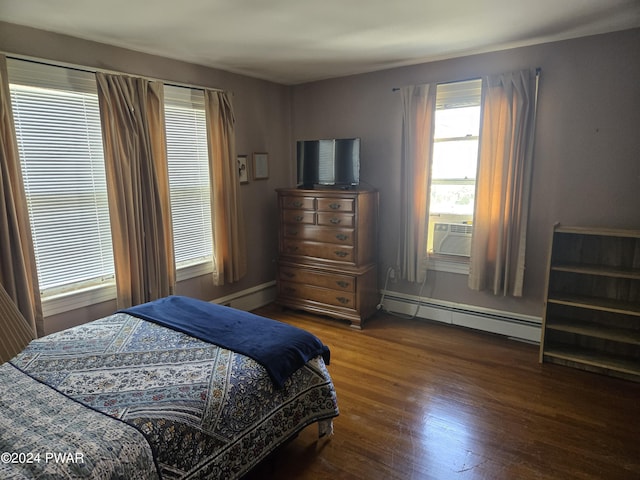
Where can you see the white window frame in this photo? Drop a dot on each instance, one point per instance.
(28, 80)
(455, 94)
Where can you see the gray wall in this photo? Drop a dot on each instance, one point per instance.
(263, 119)
(587, 149)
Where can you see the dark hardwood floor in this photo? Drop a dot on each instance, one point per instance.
(422, 400)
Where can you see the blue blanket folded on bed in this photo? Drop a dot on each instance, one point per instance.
(280, 348)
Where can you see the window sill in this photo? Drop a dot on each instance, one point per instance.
(194, 270)
(73, 300)
(64, 302)
(448, 263)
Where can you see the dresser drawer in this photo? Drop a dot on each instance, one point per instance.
(327, 251)
(331, 219)
(341, 236)
(335, 205)
(343, 283)
(326, 296)
(302, 203)
(299, 216)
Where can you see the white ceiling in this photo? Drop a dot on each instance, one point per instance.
(296, 41)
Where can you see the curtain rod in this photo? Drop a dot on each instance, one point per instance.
(53, 63)
(538, 71)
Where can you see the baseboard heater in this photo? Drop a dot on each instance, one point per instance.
(250, 298)
(513, 325)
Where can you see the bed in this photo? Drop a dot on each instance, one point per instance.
(173, 389)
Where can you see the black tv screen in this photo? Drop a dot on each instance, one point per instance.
(334, 162)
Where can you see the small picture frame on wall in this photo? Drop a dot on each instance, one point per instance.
(243, 169)
(260, 166)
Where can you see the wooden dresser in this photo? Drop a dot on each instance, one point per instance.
(327, 252)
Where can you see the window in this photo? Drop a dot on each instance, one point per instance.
(57, 125)
(189, 180)
(453, 168)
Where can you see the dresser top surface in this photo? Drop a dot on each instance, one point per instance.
(325, 192)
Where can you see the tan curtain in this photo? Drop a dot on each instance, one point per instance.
(132, 115)
(229, 244)
(16, 332)
(18, 271)
(503, 183)
(418, 104)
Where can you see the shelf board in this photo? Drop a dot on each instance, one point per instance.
(588, 329)
(594, 359)
(606, 232)
(592, 303)
(600, 270)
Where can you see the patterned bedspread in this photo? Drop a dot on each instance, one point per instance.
(206, 412)
(45, 435)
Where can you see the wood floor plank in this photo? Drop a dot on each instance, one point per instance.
(422, 400)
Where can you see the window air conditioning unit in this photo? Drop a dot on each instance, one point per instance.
(452, 238)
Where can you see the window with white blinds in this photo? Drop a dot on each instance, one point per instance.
(57, 125)
(188, 177)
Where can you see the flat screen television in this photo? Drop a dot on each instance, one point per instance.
(333, 162)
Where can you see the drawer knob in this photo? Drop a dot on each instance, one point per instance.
(292, 232)
(335, 206)
(342, 284)
(292, 248)
(289, 274)
(340, 253)
(297, 204)
(290, 290)
(343, 300)
(298, 218)
(335, 220)
(342, 236)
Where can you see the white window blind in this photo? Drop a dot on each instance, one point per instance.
(189, 184)
(466, 93)
(57, 125)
